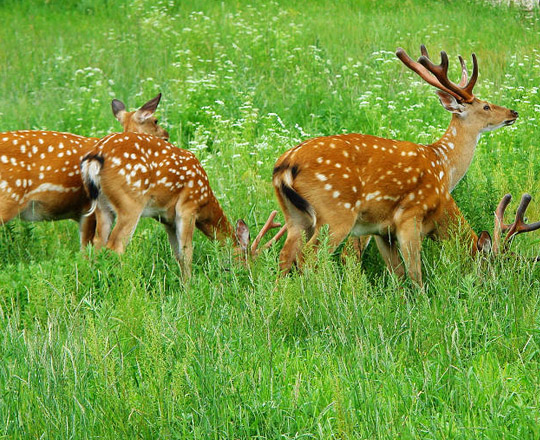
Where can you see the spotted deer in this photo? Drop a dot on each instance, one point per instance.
(133, 175)
(398, 191)
(39, 170)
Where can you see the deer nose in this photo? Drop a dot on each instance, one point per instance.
(514, 113)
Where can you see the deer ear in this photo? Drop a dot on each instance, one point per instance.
(118, 109)
(148, 109)
(449, 102)
(242, 235)
(484, 243)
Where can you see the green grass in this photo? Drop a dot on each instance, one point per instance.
(101, 346)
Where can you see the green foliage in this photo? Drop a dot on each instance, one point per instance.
(94, 345)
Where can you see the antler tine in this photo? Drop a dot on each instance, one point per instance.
(270, 224)
(470, 85)
(275, 238)
(439, 70)
(499, 212)
(464, 73)
(424, 73)
(499, 221)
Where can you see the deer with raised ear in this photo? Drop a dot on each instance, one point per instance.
(39, 170)
(131, 176)
(398, 191)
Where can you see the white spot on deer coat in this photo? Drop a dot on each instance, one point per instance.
(372, 195)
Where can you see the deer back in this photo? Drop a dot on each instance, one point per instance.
(39, 174)
(374, 182)
(161, 179)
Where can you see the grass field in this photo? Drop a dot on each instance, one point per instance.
(101, 346)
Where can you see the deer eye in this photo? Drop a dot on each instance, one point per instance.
(486, 107)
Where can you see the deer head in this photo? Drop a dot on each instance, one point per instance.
(141, 120)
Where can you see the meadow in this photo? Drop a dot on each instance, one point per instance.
(93, 345)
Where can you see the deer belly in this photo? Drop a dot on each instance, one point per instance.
(157, 212)
(363, 228)
(36, 211)
(360, 229)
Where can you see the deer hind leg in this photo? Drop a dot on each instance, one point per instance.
(410, 242)
(291, 248)
(339, 226)
(389, 252)
(298, 222)
(185, 228)
(291, 253)
(338, 231)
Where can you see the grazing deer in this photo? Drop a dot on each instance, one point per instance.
(397, 191)
(134, 175)
(39, 170)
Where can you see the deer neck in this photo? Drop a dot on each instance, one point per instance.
(456, 149)
(214, 223)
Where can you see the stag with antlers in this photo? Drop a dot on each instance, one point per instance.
(397, 191)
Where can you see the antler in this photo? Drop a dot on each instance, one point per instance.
(513, 229)
(437, 74)
(270, 224)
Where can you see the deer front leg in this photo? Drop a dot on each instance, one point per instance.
(389, 252)
(410, 242)
(355, 247)
(103, 223)
(453, 222)
(87, 229)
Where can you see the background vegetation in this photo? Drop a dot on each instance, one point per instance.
(92, 345)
